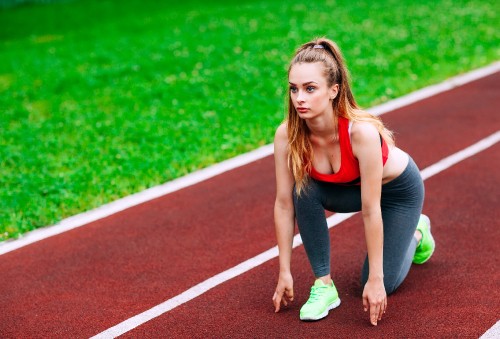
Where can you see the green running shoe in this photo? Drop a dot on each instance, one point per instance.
(322, 299)
(427, 245)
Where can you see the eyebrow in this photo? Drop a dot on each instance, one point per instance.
(305, 83)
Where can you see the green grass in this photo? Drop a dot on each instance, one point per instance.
(101, 99)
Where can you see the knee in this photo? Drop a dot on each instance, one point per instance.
(390, 289)
(391, 285)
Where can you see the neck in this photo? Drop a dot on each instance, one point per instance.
(323, 126)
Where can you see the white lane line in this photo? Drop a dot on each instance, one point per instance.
(493, 332)
(435, 89)
(461, 155)
(135, 199)
(209, 172)
(272, 253)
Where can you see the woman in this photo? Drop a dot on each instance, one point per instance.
(331, 155)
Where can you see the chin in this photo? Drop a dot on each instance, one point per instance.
(307, 115)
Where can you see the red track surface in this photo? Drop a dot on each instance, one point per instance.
(84, 281)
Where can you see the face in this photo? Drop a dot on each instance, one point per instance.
(309, 90)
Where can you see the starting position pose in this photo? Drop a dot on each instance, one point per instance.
(330, 154)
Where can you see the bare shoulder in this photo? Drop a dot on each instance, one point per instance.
(281, 131)
(281, 135)
(284, 177)
(364, 131)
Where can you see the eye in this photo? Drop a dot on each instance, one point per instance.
(293, 89)
(310, 89)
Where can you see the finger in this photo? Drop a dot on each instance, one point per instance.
(381, 311)
(289, 294)
(276, 301)
(365, 304)
(277, 305)
(374, 311)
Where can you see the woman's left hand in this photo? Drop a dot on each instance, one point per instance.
(375, 299)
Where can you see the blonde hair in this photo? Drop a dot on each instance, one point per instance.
(300, 154)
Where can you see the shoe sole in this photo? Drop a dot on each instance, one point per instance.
(333, 305)
(434, 242)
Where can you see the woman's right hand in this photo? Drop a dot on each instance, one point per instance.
(284, 291)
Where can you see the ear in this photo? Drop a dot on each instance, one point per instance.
(334, 90)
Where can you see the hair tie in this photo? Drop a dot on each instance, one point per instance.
(319, 46)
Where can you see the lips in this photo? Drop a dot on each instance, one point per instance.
(302, 109)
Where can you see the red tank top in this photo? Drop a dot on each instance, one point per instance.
(348, 173)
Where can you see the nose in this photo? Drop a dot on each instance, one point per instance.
(300, 96)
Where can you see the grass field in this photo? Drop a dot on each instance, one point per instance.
(101, 99)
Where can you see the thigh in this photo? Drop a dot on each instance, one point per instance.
(399, 231)
(401, 208)
(401, 205)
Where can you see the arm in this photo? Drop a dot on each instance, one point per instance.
(366, 148)
(284, 218)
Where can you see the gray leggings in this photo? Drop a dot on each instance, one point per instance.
(401, 204)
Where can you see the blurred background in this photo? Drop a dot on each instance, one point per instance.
(102, 99)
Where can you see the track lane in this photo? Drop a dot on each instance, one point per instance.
(89, 279)
(454, 294)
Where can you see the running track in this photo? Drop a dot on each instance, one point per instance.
(82, 282)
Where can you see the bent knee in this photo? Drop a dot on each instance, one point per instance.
(391, 285)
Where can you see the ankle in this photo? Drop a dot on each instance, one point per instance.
(327, 279)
